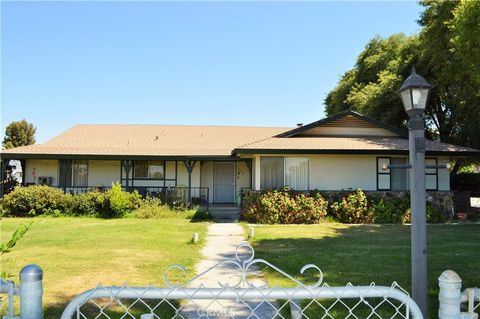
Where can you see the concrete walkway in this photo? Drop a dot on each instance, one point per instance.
(221, 243)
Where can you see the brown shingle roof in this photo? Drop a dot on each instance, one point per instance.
(149, 140)
(365, 144)
(209, 141)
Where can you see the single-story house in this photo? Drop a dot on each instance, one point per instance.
(342, 152)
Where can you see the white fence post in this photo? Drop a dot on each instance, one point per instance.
(449, 295)
(31, 291)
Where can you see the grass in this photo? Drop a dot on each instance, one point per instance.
(77, 254)
(368, 253)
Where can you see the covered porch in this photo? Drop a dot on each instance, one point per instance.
(199, 181)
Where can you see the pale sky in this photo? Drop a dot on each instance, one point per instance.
(230, 63)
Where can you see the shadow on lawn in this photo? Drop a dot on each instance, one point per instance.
(373, 253)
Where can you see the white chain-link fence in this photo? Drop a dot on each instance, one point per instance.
(242, 297)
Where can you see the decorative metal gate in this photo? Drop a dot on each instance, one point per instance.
(243, 297)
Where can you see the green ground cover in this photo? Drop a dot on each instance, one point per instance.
(79, 253)
(363, 254)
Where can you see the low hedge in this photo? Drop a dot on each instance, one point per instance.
(44, 200)
(284, 207)
(289, 207)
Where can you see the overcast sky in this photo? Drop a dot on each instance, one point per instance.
(231, 63)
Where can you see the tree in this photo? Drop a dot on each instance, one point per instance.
(465, 27)
(369, 87)
(452, 112)
(19, 133)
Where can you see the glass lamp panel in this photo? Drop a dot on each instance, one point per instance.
(419, 97)
(407, 101)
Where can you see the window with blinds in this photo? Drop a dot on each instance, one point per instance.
(276, 172)
(80, 173)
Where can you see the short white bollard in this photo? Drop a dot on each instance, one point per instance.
(195, 238)
(449, 295)
(31, 291)
(251, 232)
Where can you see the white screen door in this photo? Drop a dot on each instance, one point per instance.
(224, 182)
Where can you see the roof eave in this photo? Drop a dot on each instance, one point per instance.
(456, 154)
(18, 156)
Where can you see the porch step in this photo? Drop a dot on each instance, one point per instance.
(225, 213)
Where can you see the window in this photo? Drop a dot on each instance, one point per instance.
(155, 169)
(399, 177)
(277, 172)
(271, 169)
(296, 173)
(80, 173)
(395, 179)
(148, 169)
(383, 175)
(140, 169)
(431, 175)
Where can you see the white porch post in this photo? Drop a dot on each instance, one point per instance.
(256, 174)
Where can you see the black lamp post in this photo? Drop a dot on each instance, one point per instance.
(414, 94)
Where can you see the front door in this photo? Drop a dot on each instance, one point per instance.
(224, 182)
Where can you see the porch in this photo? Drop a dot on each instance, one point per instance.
(194, 181)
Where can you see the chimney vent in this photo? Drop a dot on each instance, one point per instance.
(299, 124)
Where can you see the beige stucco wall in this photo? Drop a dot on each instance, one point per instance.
(182, 175)
(206, 178)
(103, 173)
(243, 176)
(336, 172)
(41, 168)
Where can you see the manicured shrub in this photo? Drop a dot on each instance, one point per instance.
(283, 207)
(36, 200)
(354, 209)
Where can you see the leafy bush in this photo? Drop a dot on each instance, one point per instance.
(35, 200)
(119, 202)
(353, 208)
(89, 203)
(283, 207)
(392, 211)
(151, 208)
(44, 200)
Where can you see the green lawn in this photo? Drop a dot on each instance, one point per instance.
(370, 253)
(79, 253)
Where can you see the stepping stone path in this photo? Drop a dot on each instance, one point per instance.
(222, 241)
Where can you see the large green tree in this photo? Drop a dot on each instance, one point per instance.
(19, 133)
(453, 111)
(465, 27)
(370, 86)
